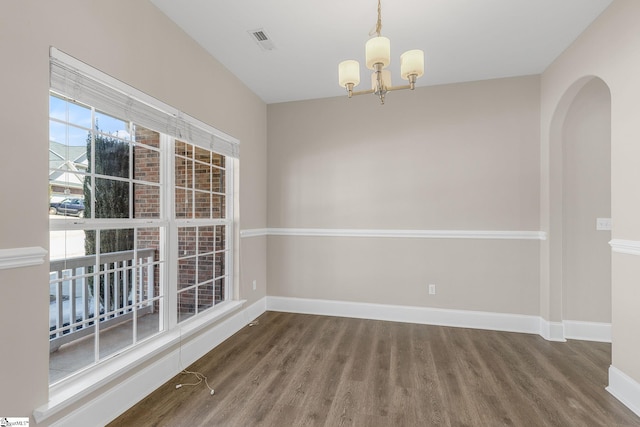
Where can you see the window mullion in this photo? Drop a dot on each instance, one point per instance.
(171, 244)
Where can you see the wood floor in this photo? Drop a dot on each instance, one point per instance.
(303, 370)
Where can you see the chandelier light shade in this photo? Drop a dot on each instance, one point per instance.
(378, 57)
(378, 51)
(412, 63)
(349, 73)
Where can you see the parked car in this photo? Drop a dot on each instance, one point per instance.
(69, 206)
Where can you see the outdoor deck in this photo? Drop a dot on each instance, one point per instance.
(112, 295)
(78, 354)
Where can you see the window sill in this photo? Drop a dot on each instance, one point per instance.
(71, 390)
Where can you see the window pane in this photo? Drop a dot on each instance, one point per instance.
(202, 155)
(112, 157)
(184, 149)
(67, 135)
(150, 259)
(184, 203)
(111, 199)
(218, 180)
(147, 201)
(220, 259)
(184, 172)
(115, 339)
(71, 358)
(67, 193)
(111, 126)
(186, 304)
(219, 207)
(219, 290)
(202, 204)
(66, 244)
(202, 177)
(206, 239)
(205, 268)
(146, 165)
(186, 241)
(147, 137)
(149, 321)
(205, 296)
(221, 237)
(112, 241)
(186, 272)
(69, 111)
(218, 160)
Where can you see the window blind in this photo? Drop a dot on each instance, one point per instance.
(79, 81)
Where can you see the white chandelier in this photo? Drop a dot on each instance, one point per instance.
(378, 54)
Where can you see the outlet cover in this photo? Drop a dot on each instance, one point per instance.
(432, 289)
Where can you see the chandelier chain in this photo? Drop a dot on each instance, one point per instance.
(379, 22)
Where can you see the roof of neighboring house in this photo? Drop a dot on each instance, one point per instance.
(59, 154)
(63, 161)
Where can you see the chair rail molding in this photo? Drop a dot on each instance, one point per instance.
(420, 234)
(621, 246)
(22, 257)
(253, 232)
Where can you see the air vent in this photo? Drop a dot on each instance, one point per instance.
(262, 39)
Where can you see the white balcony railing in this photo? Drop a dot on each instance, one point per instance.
(123, 284)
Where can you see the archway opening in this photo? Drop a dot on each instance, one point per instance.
(580, 205)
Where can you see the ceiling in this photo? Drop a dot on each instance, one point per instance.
(463, 40)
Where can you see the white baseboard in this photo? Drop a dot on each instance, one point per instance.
(121, 396)
(408, 314)
(587, 331)
(552, 331)
(625, 389)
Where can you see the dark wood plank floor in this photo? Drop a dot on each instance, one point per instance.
(303, 370)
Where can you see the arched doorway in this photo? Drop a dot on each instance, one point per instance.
(580, 194)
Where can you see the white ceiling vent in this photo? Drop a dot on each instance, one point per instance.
(263, 40)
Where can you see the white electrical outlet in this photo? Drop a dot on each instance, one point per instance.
(254, 285)
(432, 289)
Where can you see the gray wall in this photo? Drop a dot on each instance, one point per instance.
(608, 49)
(133, 42)
(454, 157)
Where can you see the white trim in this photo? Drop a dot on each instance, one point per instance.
(631, 247)
(552, 331)
(409, 314)
(625, 389)
(254, 232)
(424, 234)
(587, 331)
(187, 343)
(22, 257)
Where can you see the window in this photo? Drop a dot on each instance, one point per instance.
(140, 217)
(200, 206)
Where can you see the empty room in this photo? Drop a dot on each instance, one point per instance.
(367, 213)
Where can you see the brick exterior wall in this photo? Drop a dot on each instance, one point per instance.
(146, 167)
(199, 173)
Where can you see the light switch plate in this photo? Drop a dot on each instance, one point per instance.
(603, 223)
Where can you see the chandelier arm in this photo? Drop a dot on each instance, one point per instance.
(403, 87)
(362, 92)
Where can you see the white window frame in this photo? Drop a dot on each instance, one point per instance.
(178, 125)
